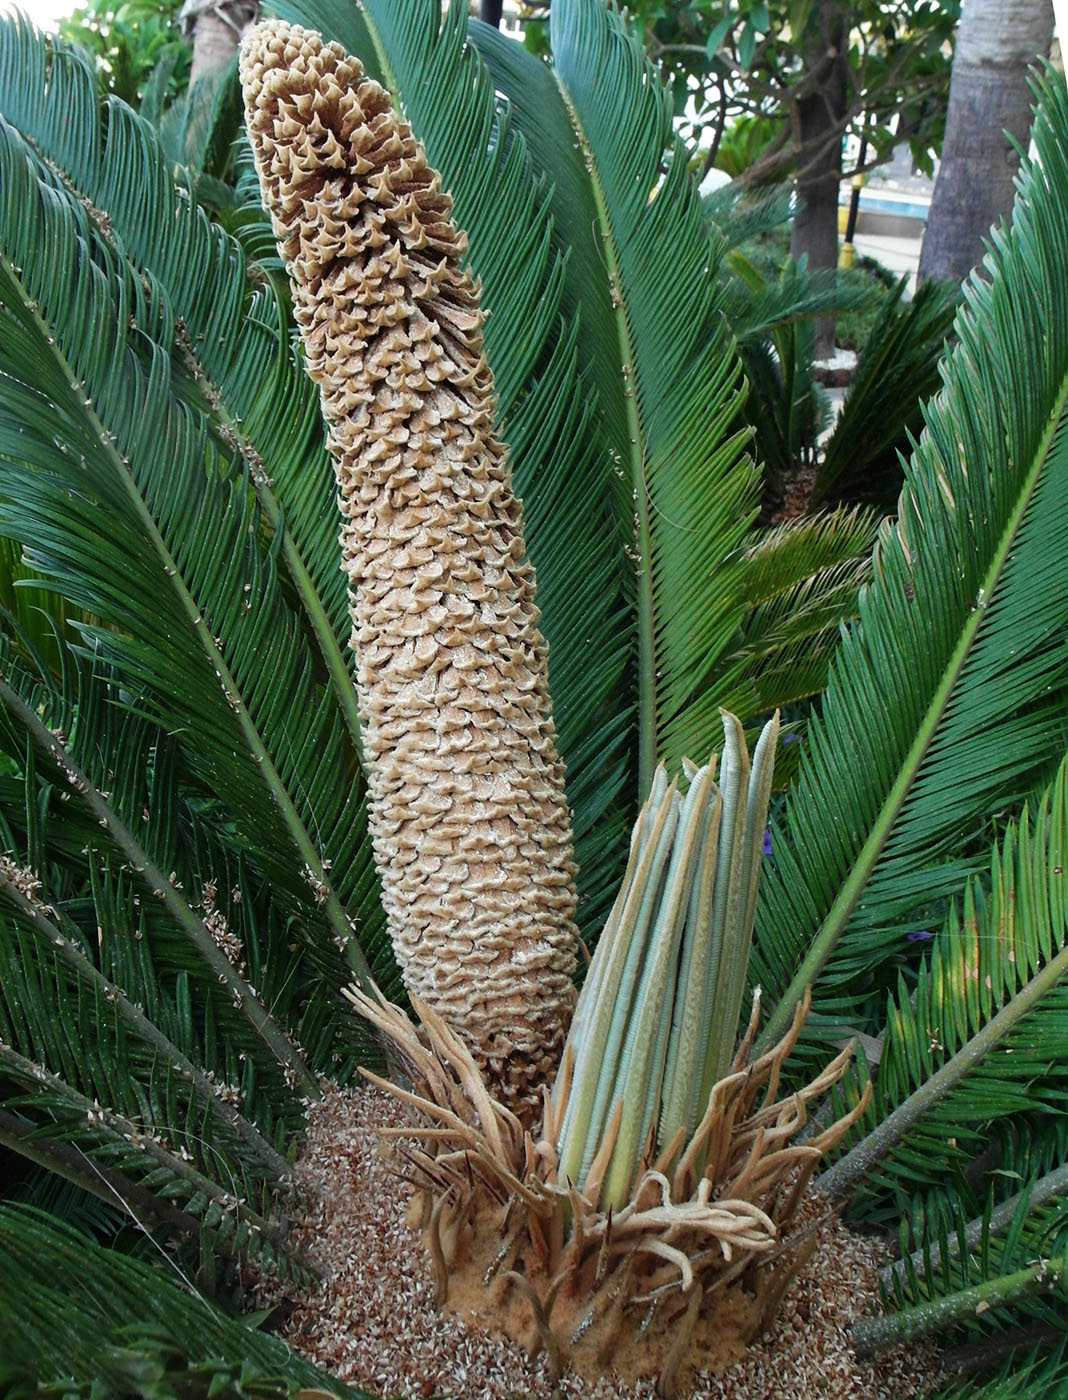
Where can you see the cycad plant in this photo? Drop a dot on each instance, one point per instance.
(188, 877)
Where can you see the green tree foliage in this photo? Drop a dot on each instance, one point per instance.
(750, 61)
(782, 84)
(132, 42)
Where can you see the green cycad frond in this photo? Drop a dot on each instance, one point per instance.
(642, 271)
(989, 1279)
(197, 130)
(743, 214)
(102, 818)
(88, 1321)
(968, 1101)
(773, 319)
(898, 369)
(802, 578)
(757, 306)
(139, 513)
(945, 700)
(126, 1159)
(136, 1058)
(954, 1308)
(688, 491)
(233, 320)
(955, 1252)
(983, 1033)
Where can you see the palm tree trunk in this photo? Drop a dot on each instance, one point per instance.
(217, 26)
(819, 120)
(988, 97)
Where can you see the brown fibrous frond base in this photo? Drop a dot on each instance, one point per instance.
(712, 1236)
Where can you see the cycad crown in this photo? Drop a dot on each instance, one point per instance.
(471, 828)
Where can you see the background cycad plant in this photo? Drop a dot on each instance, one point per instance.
(188, 878)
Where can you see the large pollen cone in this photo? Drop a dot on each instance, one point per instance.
(470, 824)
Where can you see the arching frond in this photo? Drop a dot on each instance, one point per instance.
(130, 464)
(233, 328)
(137, 1059)
(946, 699)
(983, 1034)
(665, 370)
(160, 889)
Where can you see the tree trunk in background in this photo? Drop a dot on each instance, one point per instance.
(988, 96)
(818, 118)
(217, 26)
(490, 12)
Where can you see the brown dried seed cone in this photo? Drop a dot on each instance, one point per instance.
(470, 825)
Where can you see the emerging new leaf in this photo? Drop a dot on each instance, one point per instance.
(656, 1024)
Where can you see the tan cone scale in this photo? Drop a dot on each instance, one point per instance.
(470, 825)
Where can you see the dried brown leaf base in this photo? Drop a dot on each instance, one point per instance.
(633, 1321)
(684, 1276)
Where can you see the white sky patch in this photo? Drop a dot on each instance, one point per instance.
(46, 14)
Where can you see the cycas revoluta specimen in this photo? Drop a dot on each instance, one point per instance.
(469, 820)
(470, 824)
